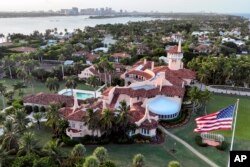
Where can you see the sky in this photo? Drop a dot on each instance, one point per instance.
(217, 6)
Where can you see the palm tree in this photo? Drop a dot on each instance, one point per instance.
(9, 140)
(52, 84)
(205, 98)
(78, 151)
(38, 116)
(2, 92)
(62, 59)
(94, 81)
(52, 149)
(28, 144)
(30, 81)
(194, 94)
(123, 117)
(105, 66)
(53, 116)
(91, 120)
(71, 83)
(107, 121)
(19, 86)
(138, 160)
(20, 120)
(8, 63)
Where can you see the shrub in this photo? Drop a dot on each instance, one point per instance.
(17, 104)
(198, 141)
(91, 161)
(28, 109)
(174, 164)
(69, 142)
(222, 146)
(36, 109)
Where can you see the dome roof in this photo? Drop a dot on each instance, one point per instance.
(162, 105)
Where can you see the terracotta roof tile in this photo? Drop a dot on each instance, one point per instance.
(47, 98)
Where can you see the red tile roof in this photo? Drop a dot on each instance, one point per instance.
(106, 91)
(23, 49)
(140, 73)
(47, 98)
(121, 55)
(173, 50)
(68, 114)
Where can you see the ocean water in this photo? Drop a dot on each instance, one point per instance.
(27, 25)
(246, 15)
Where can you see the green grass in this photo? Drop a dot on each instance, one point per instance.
(242, 141)
(157, 155)
(242, 127)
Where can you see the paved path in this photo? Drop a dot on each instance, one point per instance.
(189, 147)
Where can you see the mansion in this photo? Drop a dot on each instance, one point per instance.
(153, 93)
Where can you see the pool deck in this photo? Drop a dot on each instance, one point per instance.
(98, 93)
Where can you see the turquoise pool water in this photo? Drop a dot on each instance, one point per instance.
(80, 96)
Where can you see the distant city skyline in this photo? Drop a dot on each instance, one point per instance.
(217, 6)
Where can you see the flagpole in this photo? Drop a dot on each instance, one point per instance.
(235, 120)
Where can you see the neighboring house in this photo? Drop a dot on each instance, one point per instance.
(90, 57)
(88, 72)
(119, 56)
(6, 44)
(23, 49)
(92, 71)
(45, 99)
(202, 49)
(237, 42)
(148, 90)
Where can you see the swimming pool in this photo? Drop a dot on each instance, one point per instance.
(80, 94)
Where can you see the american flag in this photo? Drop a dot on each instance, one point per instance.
(221, 120)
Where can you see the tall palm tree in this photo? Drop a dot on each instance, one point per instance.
(123, 117)
(107, 121)
(20, 120)
(62, 59)
(52, 84)
(52, 116)
(9, 141)
(8, 63)
(91, 120)
(71, 83)
(105, 65)
(194, 94)
(19, 86)
(138, 160)
(2, 92)
(94, 81)
(205, 98)
(28, 144)
(30, 81)
(52, 149)
(38, 116)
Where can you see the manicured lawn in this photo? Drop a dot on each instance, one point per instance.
(242, 141)
(156, 155)
(242, 127)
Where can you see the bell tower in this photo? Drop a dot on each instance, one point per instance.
(175, 56)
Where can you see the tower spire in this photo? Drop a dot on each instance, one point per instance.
(179, 47)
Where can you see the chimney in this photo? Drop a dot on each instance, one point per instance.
(152, 65)
(179, 47)
(183, 83)
(145, 61)
(131, 102)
